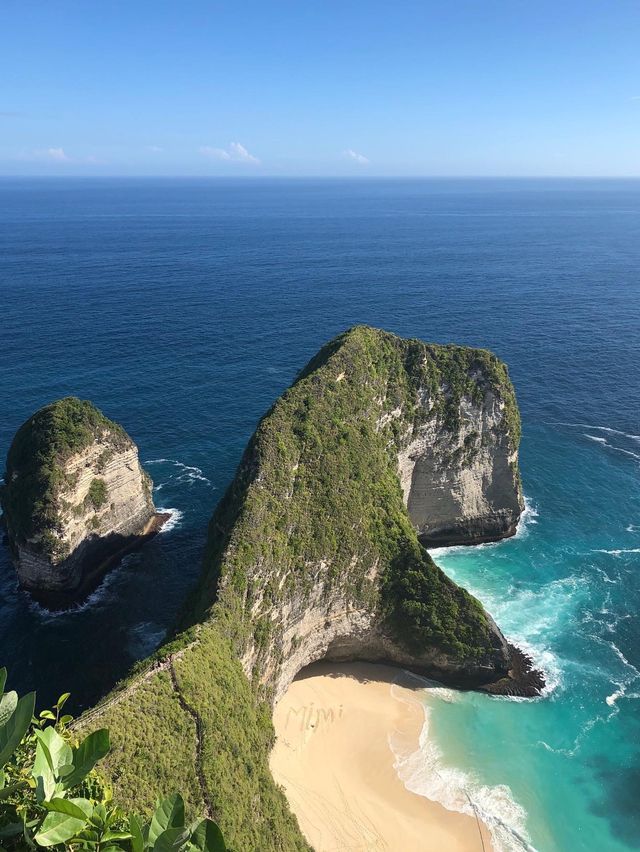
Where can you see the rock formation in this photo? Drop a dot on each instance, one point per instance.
(74, 499)
(314, 552)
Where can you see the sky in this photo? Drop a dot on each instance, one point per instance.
(320, 88)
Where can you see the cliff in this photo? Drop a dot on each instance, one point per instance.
(315, 549)
(75, 497)
(315, 552)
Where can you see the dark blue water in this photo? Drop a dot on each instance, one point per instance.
(183, 308)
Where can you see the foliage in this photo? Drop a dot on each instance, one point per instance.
(35, 467)
(317, 485)
(328, 492)
(97, 493)
(51, 796)
(154, 718)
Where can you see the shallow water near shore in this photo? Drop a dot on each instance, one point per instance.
(184, 308)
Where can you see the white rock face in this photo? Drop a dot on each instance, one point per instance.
(462, 487)
(91, 531)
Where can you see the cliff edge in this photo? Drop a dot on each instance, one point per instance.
(315, 552)
(382, 444)
(74, 499)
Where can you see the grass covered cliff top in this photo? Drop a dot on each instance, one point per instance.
(318, 485)
(35, 465)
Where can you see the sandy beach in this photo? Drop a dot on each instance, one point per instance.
(333, 758)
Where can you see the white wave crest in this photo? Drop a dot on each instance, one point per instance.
(604, 443)
(172, 522)
(618, 552)
(425, 773)
(528, 517)
(187, 473)
(607, 429)
(632, 528)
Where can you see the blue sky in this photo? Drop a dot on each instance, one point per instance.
(317, 87)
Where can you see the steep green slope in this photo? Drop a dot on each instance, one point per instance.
(312, 551)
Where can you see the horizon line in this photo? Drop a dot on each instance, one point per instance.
(311, 177)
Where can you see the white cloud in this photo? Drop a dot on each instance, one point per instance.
(239, 152)
(56, 154)
(235, 152)
(356, 157)
(215, 153)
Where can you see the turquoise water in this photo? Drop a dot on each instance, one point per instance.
(184, 308)
(564, 589)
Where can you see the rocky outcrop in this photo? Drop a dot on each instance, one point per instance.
(316, 550)
(313, 552)
(75, 498)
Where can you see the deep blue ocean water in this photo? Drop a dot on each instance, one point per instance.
(183, 308)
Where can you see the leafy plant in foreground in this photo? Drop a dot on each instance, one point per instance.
(51, 797)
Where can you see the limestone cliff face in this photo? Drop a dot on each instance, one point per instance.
(462, 486)
(75, 496)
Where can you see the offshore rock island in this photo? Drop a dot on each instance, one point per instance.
(315, 552)
(75, 499)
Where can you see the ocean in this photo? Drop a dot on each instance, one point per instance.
(183, 308)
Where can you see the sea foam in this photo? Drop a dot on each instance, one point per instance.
(424, 772)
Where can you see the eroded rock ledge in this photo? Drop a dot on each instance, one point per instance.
(75, 499)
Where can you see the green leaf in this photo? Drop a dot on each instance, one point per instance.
(64, 720)
(137, 840)
(47, 714)
(52, 753)
(14, 729)
(115, 835)
(8, 704)
(58, 828)
(5, 792)
(168, 814)
(207, 837)
(92, 749)
(78, 808)
(170, 840)
(11, 830)
(62, 700)
(59, 749)
(3, 679)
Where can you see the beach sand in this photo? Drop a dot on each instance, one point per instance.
(332, 757)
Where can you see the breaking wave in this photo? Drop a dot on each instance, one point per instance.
(172, 522)
(424, 772)
(185, 473)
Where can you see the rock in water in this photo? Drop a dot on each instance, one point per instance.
(75, 498)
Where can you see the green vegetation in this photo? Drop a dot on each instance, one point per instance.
(97, 494)
(328, 490)
(189, 715)
(51, 796)
(35, 468)
(316, 506)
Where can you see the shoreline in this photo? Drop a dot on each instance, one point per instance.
(334, 760)
(60, 601)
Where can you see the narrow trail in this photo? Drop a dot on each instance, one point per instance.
(191, 711)
(117, 697)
